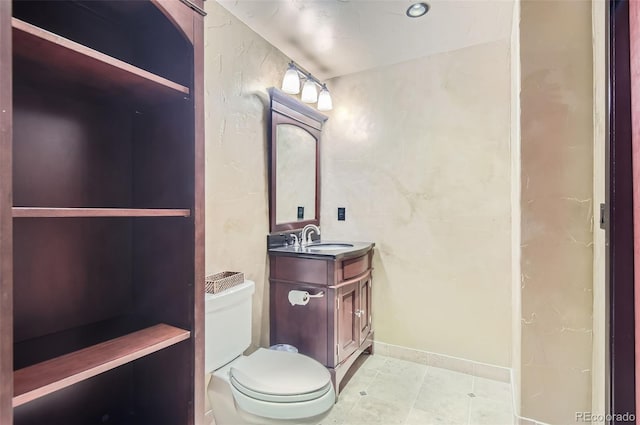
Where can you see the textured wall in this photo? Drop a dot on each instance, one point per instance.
(557, 209)
(239, 67)
(418, 153)
(516, 181)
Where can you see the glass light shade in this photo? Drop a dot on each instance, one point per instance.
(291, 82)
(324, 100)
(309, 92)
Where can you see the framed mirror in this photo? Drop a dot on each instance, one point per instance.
(294, 172)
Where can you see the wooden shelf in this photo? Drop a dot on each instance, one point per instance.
(99, 212)
(52, 375)
(84, 65)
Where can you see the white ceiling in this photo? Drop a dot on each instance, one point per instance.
(330, 38)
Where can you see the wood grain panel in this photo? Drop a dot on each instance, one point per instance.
(348, 324)
(89, 67)
(164, 157)
(365, 308)
(103, 399)
(619, 233)
(67, 151)
(6, 229)
(161, 274)
(164, 396)
(634, 59)
(98, 212)
(304, 326)
(355, 266)
(49, 376)
(70, 272)
(300, 270)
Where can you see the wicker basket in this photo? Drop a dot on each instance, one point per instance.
(224, 280)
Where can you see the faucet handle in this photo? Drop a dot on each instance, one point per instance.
(296, 243)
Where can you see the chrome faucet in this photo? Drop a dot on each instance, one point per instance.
(296, 244)
(305, 236)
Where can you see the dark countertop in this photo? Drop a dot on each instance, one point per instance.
(358, 248)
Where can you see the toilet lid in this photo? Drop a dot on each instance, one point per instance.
(280, 374)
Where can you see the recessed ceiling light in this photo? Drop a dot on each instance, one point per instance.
(417, 10)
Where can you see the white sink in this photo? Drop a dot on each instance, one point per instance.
(329, 246)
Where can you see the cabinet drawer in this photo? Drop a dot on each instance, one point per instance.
(355, 266)
(294, 269)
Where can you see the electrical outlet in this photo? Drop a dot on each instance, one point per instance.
(341, 214)
(300, 213)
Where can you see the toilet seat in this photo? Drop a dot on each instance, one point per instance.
(280, 398)
(281, 385)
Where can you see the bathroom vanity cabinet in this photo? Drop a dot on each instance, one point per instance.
(334, 327)
(101, 212)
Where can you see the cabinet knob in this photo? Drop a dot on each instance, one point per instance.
(358, 313)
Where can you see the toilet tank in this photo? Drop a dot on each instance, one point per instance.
(227, 324)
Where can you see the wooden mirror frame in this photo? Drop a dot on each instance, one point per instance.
(287, 110)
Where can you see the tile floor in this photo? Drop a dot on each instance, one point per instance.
(389, 391)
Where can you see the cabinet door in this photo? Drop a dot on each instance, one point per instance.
(348, 338)
(364, 312)
(303, 326)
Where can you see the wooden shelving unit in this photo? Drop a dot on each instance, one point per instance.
(44, 378)
(79, 63)
(101, 218)
(98, 212)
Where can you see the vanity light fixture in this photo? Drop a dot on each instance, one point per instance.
(291, 85)
(417, 10)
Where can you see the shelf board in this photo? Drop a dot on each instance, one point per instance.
(99, 212)
(52, 375)
(79, 63)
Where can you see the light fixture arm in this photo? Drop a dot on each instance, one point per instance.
(304, 74)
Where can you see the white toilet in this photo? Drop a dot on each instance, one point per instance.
(266, 387)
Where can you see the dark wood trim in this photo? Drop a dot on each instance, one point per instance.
(365, 275)
(620, 266)
(98, 212)
(341, 375)
(295, 106)
(52, 375)
(296, 116)
(6, 222)
(179, 15)
(634, 60)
